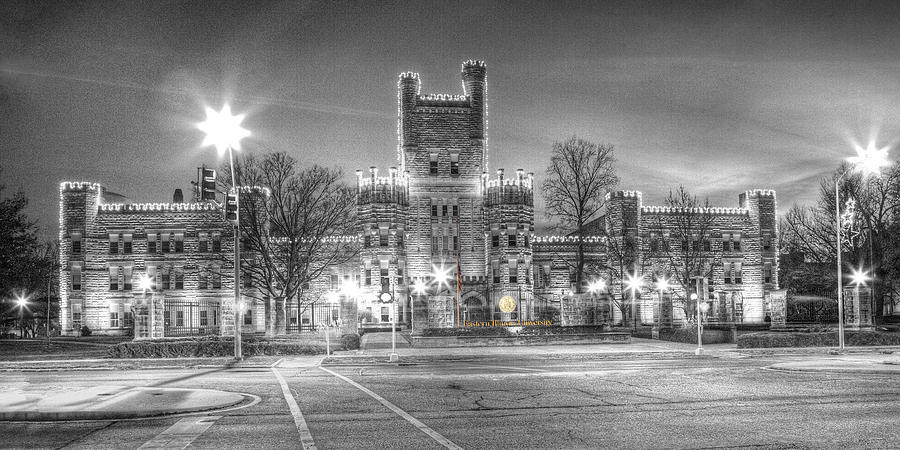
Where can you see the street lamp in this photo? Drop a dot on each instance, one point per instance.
(633, 282)
(224, 132)
(145, 283)
(702, 307)
(662, 285)
(869, 161)
(22, 302)
(419, 288)
(594, 288)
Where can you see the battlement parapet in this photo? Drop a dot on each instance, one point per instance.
(760, 193)
(390, 189)
(473, 63)
(718, 211)
(71, 186)
(513, 190)
(568, 239)
(157, 207)
(409, 76)
(623, 194)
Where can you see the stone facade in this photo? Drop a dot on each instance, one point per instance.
(438, 211)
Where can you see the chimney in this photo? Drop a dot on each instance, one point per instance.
(178, 197)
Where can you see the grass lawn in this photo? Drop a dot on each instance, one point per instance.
(28, 350)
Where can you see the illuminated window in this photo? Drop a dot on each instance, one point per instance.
(76, 243)
(179, 242)
(433, 164)
(385, 314)
(113, 243)
(113, 278)
(454, 164)
(202, 244)
(76, 277)
(128, 270)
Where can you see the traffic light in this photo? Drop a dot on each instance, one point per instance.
(385, 296)
(207, 184)
(231, 206)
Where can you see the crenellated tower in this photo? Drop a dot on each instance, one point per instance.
(509, 233)
(382, 205)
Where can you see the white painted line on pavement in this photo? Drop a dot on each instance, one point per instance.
(305, 436)
(182, 433)
(421, 426)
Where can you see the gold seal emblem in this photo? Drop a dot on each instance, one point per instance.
(507, 304)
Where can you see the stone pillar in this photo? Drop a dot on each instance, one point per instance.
(419, 314)
(778, 308)
(857, 308)
(226, 309)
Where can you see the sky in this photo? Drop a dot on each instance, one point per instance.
(717, 96)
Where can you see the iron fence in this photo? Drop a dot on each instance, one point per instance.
(311, 316)
(191, 317)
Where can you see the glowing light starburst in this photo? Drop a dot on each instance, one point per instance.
(441, 275)
(859, 277)
(871, 159)
(596, 286)
(420, 286)
(222, 129)
(662, 284)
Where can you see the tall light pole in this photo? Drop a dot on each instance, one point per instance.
(419, 288)
(144, 283)
(22, 302)
(869, 160)
(633, 282)
(224, 132)
(662, 285)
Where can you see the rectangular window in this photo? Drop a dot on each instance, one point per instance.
(495, 271)
(433, 210)
(455, 210)
(165, 280)
(204, 320)
(695, 246)
(495, 240)
(455, 243)
(737, 245)
(151, 243)
(165, 242)
(383, 239)
(707, 246)
(76, 243)
(454, 164)
(179, 318)
(179, 242)
(217, 243)
(767, 244)
(726, 271)
(513, 271)
(737, 273)
(767, 273)
(113, 243)
(334, 282)
(179, 279)
(202, 244)
(152, 274)
(385, 314)
(368, 277)
(113, 317)
(113, 278)
(367, 241)
(433, 164)
(248, 316)
(126, 244)
(201, 278)
(127, 276)
(444, 210)
(76, 278)
(511, 240)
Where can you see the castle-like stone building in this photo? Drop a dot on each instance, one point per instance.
(438, 212)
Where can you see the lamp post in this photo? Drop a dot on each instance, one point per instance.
(224, 131)
(869, 160)
(702, 307)
(419, 288)
(633, 282)
(145, 283)
(662, 285)
(22, 302)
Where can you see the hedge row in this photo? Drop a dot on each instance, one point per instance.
(223, 346)
(508, 332)
(819, 339)
(689, 335)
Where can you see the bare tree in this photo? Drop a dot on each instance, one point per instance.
(687, 254)
(301, 224)
(578, 178)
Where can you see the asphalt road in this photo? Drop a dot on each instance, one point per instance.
(499, 402)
